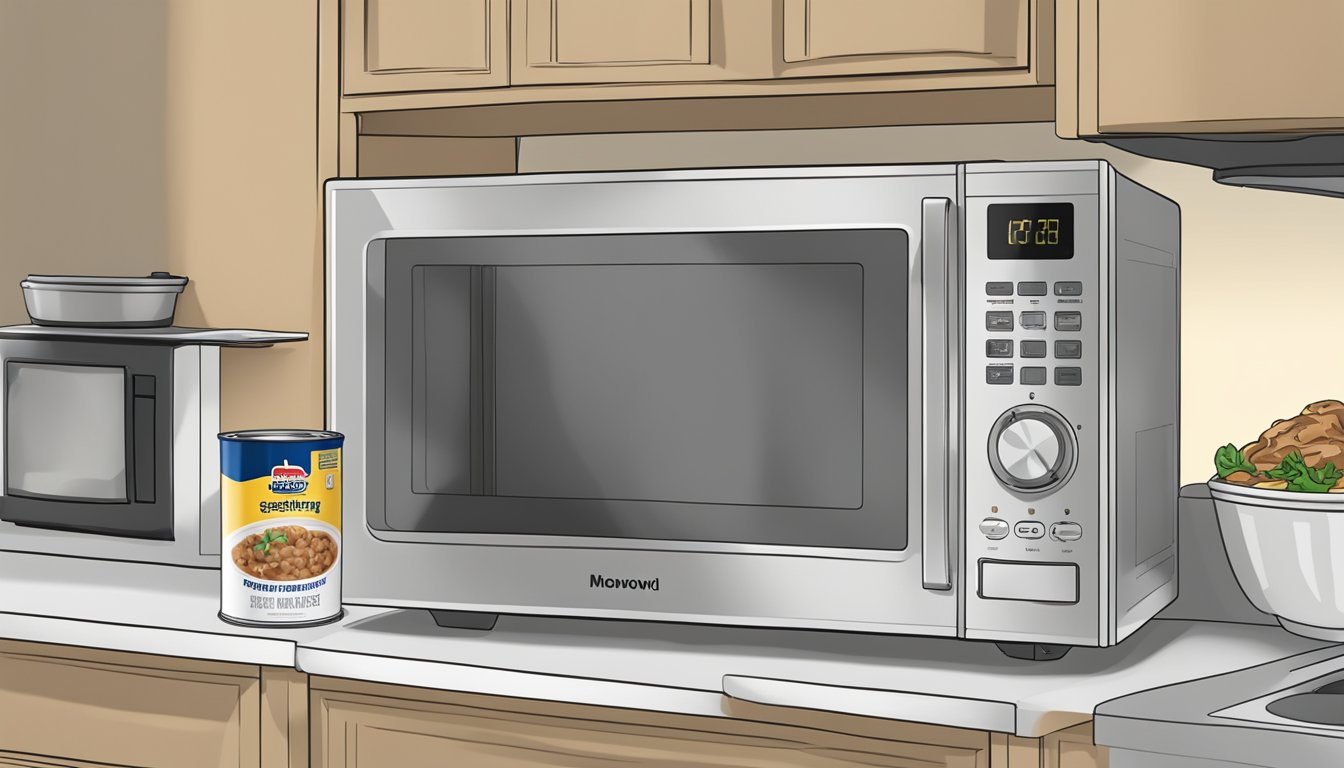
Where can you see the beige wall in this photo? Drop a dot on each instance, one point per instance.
(173, 134)
(1261, 290)
(82, 122)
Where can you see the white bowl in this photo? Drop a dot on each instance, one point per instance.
(116, 302)
(1287, 552)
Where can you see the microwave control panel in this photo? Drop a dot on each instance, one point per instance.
(1034, 303)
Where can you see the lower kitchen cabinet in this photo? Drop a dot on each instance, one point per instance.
(361, 725)
(77, 708)
(70, 707)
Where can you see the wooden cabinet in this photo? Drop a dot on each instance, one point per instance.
(359, 725)
(423, 45)
(1198, 66)
(76, 707)
(849, 37)
(597, 41)
(689, 48)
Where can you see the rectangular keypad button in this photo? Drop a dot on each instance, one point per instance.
(1068, 321)
(1068, 350)
(999, 348)
(998, 321)
(998, 289)
(1033, 348)
(1033, 375)
(1069, 377)
(1069, 288)
(1031, 289)
(1033, 320)
(999, 374)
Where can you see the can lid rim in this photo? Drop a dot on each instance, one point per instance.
(280, 435)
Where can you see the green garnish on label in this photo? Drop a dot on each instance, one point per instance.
(1229, 459)
(267, 540)
(1303, 478)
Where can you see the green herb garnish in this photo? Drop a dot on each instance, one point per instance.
(1303, 478)
(1315, 480)
(267, 540)
(1229, 459)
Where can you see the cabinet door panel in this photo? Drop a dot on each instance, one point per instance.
(829, 37)
(1196, 64)
(409, 45)
(360, 731)
(601, 41)
(109, 713)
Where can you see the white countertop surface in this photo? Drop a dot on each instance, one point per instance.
(660, 667)
(122, 606)
(689, 669)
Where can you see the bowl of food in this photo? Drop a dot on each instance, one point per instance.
(1280, 510)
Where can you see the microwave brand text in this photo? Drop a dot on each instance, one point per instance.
(598, 581)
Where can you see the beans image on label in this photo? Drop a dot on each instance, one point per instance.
(285, 553)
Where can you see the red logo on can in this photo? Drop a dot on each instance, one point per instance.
(287, 479)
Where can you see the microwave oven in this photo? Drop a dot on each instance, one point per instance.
(928, 399)
(109, 446)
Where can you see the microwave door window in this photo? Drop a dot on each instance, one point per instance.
(724, 384)
(725, 387)
(65, 431)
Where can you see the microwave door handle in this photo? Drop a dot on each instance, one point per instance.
(938, 417)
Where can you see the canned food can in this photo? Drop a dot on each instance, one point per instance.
(280, 508)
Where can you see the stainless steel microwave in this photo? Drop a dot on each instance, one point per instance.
(930, 399)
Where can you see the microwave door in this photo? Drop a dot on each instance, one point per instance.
(741, 388)
(85, 428)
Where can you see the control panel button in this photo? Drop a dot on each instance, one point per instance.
(1069, 377)
(1061, 531)
(1033, 321)
(1068, 288)
(998, 289)
(1068, 321)
(1031, 289)
(1033, 348)
(998, 321)
(994, 528)
(999, 374)
(999, 348)
(1029, 529)
(1033, 375)
(1068, 350)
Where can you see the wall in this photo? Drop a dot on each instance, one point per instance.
(180, 135)
(1259, 296)
(81, 176)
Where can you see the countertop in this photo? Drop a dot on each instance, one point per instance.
(659, 667)
(1221, 721)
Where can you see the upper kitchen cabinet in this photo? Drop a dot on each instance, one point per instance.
(1198, 66)
(861, 37)
(423, 54)
(424, 45)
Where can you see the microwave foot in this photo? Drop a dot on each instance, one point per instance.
(465, 619)
(1034, 651)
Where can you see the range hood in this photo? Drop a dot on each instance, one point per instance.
(1291, 163)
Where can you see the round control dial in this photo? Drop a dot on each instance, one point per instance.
(1032, 449)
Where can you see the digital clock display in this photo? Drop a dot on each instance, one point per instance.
(1031, 231)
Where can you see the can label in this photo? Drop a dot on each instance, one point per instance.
(281, 513)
